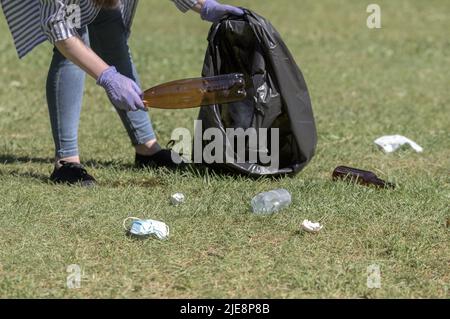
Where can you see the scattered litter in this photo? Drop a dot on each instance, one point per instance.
(271, 202)
(177, 199)
(311, 227)
(391, 143)
(147, 227)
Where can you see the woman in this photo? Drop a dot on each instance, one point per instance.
(96, 46)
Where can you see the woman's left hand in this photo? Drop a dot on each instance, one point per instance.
(213, 11)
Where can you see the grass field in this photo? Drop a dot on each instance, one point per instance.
(364, 84)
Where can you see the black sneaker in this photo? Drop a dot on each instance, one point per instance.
(163, 158)
(72, 173)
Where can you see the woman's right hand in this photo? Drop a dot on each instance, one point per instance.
(123, 92)
(213, 11)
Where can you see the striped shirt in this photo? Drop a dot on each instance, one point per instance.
(33, 22)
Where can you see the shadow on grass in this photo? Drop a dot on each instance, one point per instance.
(139, 182)
(221, 172)
(196, 170)
(13, 159)
(44, 179)
(33, 176)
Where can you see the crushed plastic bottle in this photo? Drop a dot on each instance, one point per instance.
(271, 202)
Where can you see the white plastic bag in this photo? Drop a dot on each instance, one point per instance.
(391, 143)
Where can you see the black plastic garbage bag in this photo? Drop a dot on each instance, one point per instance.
(277, 98)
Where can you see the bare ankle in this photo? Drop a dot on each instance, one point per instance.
(150, 148)
(71, 159)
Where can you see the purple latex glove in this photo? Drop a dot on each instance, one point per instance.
(213, 11)
(123, 92)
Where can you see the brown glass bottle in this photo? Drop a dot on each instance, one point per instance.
(190, 93)
(362, 177)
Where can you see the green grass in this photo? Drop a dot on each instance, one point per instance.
(364, 84)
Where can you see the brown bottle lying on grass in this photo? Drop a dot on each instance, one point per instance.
(190, 93)
(360, 176)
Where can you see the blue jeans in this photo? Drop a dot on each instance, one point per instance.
(107, 36)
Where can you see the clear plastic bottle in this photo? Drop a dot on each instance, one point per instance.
(271, 202)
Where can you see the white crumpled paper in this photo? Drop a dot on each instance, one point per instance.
(311, 227)
(391, 143)
(177, 199)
